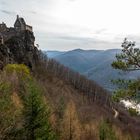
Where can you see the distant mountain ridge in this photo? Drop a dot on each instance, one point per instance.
(95, 64)
(53, 54)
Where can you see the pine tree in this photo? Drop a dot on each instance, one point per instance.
(36, 116)
(128, 60)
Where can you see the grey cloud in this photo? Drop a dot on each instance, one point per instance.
(53, 41)
(33, 12)
(29, 12)
(72, 0)
(135, 38)
(78, 39)
(72, 38)
(7, 12)
(58, 44)
(3, 3)
(100, 31)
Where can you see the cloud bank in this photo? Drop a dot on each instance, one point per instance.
(70, 24)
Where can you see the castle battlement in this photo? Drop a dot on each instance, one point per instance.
(19, 26)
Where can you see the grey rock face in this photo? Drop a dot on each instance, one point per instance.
(19, 49)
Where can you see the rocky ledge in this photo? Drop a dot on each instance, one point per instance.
(19, 49)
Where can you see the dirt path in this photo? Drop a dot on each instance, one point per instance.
(116, 113)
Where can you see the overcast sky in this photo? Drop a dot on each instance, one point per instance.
(70, 24)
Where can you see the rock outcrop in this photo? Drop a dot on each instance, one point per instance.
(19, 49)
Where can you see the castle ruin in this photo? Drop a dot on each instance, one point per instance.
(19, 26)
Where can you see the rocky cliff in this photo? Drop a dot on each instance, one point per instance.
(19, 49)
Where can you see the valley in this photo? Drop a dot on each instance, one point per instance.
(94, 64)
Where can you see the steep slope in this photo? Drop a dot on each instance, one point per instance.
(60, 86)
(58, 94)
(91, 113)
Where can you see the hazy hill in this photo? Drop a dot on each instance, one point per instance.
(95, 64)
(53, 53)
(79, 60)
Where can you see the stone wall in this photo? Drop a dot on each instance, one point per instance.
(10, 32)
(29, 28)
(19, 27)
(3, 27)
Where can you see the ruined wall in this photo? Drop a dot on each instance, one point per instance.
(19, 27)
(3, 27)
(29, 28)
(8, 33)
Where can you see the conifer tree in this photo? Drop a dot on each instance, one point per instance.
(36, 116)
(128, 60)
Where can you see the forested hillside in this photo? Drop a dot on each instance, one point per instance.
(42, 99)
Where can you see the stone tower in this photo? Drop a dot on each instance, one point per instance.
(20, 25)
